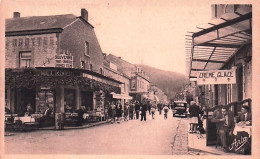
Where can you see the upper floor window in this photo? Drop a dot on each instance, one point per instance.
(25, 59)
(83, 65)
(86, 48)
(90, 67)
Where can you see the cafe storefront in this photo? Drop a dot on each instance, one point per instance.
(220, 65)
(63, 89)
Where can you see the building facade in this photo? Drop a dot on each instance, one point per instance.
(139, 82)
(54, 60)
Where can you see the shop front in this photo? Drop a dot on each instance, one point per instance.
(220, 66)
(63, 90)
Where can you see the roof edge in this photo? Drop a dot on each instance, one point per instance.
(33, 32)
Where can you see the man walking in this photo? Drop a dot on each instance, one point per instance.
(137, 109)
(143, 111)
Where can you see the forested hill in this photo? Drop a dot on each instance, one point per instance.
(168, 81)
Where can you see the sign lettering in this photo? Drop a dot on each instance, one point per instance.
(238, 144)
(216, 77)
(64, 60)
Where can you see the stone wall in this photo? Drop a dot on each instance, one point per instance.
(43, 48)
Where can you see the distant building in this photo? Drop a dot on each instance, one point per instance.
(157, 95)
(111, 70)
(139, 81)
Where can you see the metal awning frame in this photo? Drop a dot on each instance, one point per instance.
(219, 49)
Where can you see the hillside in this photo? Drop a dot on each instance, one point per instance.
(168, 81)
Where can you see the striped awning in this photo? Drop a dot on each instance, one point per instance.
(210, 46)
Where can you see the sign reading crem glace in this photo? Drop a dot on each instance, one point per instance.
(216, 77)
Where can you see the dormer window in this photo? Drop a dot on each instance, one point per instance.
(86, 49)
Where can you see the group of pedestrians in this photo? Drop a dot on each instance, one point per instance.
(134, 110)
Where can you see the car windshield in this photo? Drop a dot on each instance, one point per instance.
(179, 104)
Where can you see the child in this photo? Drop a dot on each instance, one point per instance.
(165, 109)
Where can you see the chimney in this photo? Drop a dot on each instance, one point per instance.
(16, 15)
(84, 14)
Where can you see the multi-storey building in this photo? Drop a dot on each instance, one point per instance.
(54, 60)
(220, 60)
(139, 81)
(111, 70)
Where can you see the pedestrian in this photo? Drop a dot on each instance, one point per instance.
(118, 112)
(126, 111)
(143, 111)
(81, 111)
(165, 110)
(194, 115)
(153, 108)
(131, 111)
(159, 107)
(137, 109)
(149, 107)
(113, 107)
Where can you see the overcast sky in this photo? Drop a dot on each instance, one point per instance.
(140, 31)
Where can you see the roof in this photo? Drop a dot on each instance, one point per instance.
(39, 23)
(123, 66)
(210, 46)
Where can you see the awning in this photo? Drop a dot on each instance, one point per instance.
(213, 44)
(121, 96)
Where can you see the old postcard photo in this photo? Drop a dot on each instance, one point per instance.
(142, 78)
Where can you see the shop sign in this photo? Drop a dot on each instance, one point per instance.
(63, 60)
(216, 77)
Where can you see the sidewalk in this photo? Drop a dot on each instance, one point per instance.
(198, 143)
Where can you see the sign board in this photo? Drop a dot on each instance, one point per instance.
(63, 60)
(216, 77)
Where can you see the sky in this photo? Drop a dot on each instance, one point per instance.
(139, 31)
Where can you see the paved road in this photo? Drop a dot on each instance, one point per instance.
(153, 137)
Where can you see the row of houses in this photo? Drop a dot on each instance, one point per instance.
(57, 61)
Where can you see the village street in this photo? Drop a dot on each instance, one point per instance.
(153, 137)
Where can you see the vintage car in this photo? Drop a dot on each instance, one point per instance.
(179, 108)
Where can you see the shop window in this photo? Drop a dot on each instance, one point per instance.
(25, 59)
(86, 48)
(69, 100)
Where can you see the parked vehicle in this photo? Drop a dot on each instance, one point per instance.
(179, 108)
